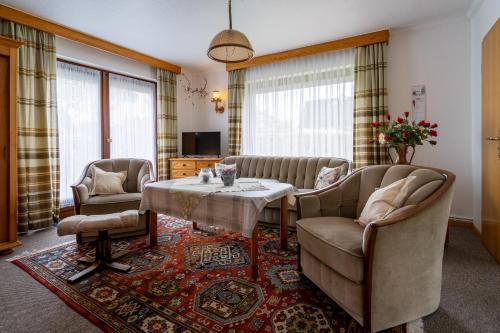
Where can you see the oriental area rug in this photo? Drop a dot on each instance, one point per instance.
(193, 281)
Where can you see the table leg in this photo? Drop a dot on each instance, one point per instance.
(284, 223)
(152, 219)
(254, 253)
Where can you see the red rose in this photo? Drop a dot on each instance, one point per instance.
(376, 124)
(387, 138)
(421, 123)
(400, 120)
(427, 124)
(406, 135)
(407, 114)
(434, 125)
(433, 133)
(432, 142)
(388, 116)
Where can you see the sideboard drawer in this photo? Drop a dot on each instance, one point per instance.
(185, 165)
(204, 164)
(182, 173)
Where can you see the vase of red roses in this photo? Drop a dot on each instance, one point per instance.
(401, 134)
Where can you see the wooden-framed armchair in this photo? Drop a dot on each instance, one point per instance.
(389, 272)
(139, 173)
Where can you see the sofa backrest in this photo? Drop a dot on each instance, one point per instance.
(373, 177)
(138, 171)
(300, 172)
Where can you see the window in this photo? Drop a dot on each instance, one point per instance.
(79, 113)
(300, 107)
(132, 117)
(101, 115)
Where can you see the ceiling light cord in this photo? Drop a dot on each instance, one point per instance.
(230, 17)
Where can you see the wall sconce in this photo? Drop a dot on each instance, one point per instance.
(217, 99)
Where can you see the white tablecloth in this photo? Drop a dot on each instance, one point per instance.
(229, 208)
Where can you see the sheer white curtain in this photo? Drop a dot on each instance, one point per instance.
(132, 117)
(79, 114)
(300, 107)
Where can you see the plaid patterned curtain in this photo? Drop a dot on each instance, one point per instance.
(236, 92)
(370, 103)
(38, 146)
(166, 120)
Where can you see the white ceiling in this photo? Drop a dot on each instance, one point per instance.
(179, 31)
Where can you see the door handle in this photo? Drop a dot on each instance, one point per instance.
(109, 140)
(493, 138)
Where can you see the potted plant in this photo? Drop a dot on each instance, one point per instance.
(400, 134)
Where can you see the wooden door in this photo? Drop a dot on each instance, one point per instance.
(490, 213)
(4, 145)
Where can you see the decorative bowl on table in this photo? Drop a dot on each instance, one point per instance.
(205, 175)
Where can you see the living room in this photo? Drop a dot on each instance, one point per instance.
(164, 172)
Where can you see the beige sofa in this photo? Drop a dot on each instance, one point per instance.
(388, 273)
(139, 173)
(301, 172)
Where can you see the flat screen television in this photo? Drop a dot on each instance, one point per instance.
(200, 143)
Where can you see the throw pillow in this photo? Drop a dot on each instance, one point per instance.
(326, 177)
(385, 200)
(104, 182)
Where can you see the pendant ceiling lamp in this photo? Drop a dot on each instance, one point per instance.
(230, 46)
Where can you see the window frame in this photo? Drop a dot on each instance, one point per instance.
(105, 107)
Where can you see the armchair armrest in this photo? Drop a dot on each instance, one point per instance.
(328, 200)
(319, 203)
(145, 176)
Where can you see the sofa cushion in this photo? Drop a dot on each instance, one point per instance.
(106, 204)
(337, 242)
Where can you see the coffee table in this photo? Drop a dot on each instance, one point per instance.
(230, 209)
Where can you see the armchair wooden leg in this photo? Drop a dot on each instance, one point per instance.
(152, 220)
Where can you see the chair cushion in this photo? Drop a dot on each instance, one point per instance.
(87, 223)
(113, 198)
(337, 242)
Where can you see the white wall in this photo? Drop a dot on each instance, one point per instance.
(482, 17)
(437, 55)
(88, 55)
(195, 114)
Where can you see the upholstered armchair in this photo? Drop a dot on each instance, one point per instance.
(389, 272)
(139, 173)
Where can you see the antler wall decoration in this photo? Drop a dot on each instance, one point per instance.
(201, 92)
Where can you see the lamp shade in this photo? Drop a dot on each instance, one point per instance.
(230, 46)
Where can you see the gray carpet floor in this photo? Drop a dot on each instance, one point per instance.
(470, 298)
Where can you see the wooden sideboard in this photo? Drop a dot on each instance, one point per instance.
(186, 167)
(8, 144)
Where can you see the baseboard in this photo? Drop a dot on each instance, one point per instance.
(463, 223)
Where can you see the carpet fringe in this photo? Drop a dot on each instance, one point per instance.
(35, 251)
(416, 326)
